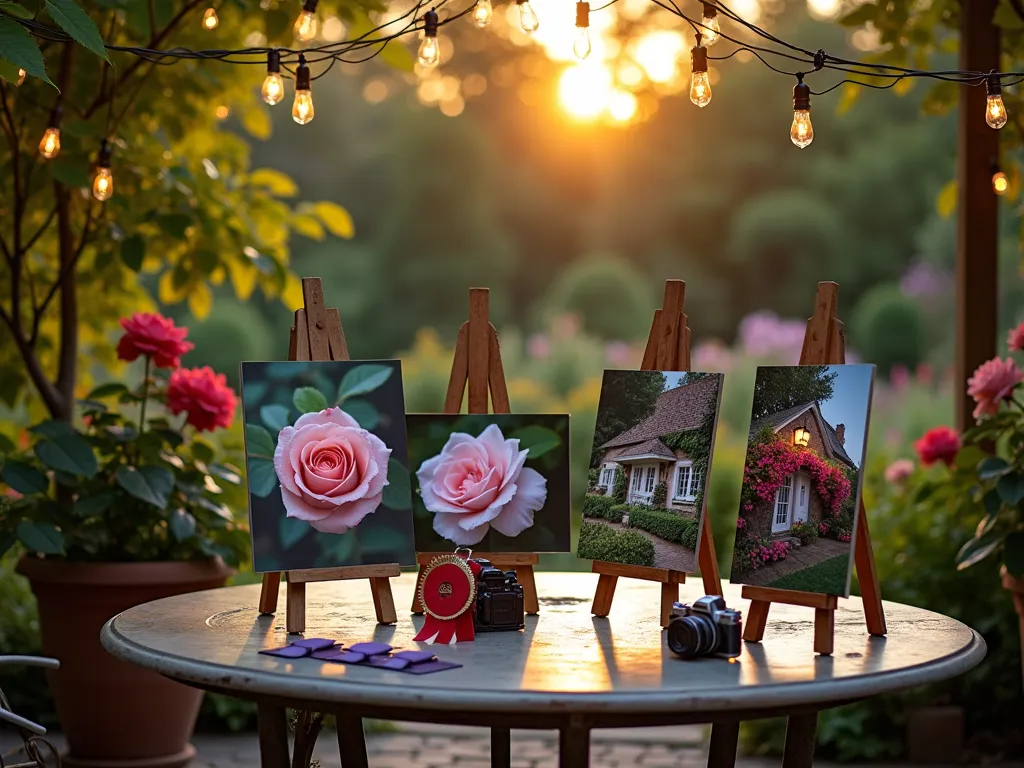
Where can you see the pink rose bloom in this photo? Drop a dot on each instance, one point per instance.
(938, 444)
(332, 471)
(479, 482)
(1016, 338)
(992, 383)
(899, 471)
(155, 336)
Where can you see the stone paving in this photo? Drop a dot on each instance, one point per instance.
(799, 558)
(667, 554)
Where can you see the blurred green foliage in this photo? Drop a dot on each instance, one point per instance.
(888, 329)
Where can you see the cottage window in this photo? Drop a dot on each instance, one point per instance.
(688, 480)
(607, 475)
(782, 506)
(634, 484)
(649, 487)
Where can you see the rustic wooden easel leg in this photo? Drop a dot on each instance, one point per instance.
(756, 621)
(669, 596)
(864, 560)
(269, 593)
(603, 596)
(824, 630)
(295, 619)
(383, 600)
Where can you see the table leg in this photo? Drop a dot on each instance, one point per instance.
(272, 722)
(800, 733)
(351, 742)
(574, 746)
(722, 750)
(501, 747)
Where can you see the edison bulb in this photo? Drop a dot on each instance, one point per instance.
(430, 53)
(49, 145)
(482, 13)
(103, 184)
(528, 17)
(210, 21)
(1000, 183)
(995, 111)
(302, 107)
(700, 89)
(581, 45)
(711, 30)
(273, 88)
(21, 76)
(802, 132)
(306, 26)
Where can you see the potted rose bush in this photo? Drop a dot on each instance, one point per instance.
(124, 509)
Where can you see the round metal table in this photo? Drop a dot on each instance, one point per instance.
(567, 671)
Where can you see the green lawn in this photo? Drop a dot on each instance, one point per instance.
(828, 576)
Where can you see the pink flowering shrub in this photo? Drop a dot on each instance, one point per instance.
(843, 537)
(823, 528)
(741, 524)
(758, 552)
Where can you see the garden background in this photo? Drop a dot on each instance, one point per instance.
(486, 172)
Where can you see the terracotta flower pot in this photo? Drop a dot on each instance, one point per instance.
(114, 714)
(1016, 588)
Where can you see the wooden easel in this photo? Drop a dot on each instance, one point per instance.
(668, 349)
(478, 360)
(318, 335)
(824, 344)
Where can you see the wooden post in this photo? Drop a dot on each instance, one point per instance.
(668, 349)
(477, 360)
(977, 259)
(824, 344)
(317, 335)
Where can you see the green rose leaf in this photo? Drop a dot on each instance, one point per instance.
(364, 412)
(226, 472)
(150, 484)
(133, 249)
(1011, 489)
(16, 10)
(218, 509)
(24, 478)
(87, 506)
(275, 417)
(6, 444)
(202, 451)
(1013, 554)
(976, 550)
(258, 441)
(262, 477)
(21, 48)
(182, 524)
(107, 390)
(537, 440)
(41, 537)
(72, 454)
(53, 429)
(363, 379)
(292, 531)
(398, 491)
(309, 400)
(77, 23)
(992, 502)
(992, 467)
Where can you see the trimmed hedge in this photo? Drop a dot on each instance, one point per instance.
(667, 525)
(617, 512)
(597, 506)
(601, 542)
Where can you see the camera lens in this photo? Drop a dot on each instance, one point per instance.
(692, 636)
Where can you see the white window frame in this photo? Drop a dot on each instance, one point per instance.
(693, 482)
(783, 505)
(650, 479)
(607, 476)
(636, 478)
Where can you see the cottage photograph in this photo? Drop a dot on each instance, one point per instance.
(802, 477)
(648, 469)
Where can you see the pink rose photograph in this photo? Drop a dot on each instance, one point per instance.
(490, 482)
(328, 473)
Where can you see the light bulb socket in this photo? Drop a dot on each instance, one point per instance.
(55, 115)
(582, 15)
(274, 62)
(801, 96)
(993, 86)
(699, 58)
(521, 2)
(302, 75)
(710, 11)
(430, 23)
(310, 6)
(103, 158)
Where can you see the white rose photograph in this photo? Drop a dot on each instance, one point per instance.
(490, 482)
(327, 466)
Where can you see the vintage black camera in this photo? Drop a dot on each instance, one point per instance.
(706, 628)
(499, 600)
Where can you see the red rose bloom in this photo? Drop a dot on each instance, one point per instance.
(938, 444)
(203, 395)
(153, 336)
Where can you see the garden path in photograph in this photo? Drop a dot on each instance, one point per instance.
(667, 554)
(819, 554)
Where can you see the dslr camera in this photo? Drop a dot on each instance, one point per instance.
(706, 628)
(499, 600)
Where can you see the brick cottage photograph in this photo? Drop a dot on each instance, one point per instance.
(802, 477)
(649, 465)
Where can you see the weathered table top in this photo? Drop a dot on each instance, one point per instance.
(566, 661)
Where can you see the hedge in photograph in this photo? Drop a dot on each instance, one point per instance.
(597, 506)
(666, 525)
(602, 542)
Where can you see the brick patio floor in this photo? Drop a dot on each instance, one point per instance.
(797, 559)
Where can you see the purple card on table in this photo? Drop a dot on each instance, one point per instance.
(330, 654)
(371, 649)
(288, 652)
(430, 666)
(414, 657)
(315, 643)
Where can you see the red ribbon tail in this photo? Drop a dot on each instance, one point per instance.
(443, 632)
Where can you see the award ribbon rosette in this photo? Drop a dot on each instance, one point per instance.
(447, 593)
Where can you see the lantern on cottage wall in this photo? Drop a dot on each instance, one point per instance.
(801, 436)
